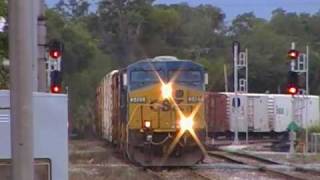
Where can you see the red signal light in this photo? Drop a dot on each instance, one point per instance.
(56, 89)
(55, 54)
(292, 90)
(293, 54)
(56, 82)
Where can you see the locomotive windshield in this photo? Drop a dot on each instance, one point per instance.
(145, 76)
(186, 76)
(185, 73)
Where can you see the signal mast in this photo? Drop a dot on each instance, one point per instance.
(54, 66)
(299, 66)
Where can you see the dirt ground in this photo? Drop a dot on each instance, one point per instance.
(94, 160)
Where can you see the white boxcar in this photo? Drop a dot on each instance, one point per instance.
(50, 134)
(303, 110)
(240, 115)
(282, 112)
(252, 114)
(258, 113)
(313, 114)
(272, 112)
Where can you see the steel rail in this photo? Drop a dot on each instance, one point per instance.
(294, 173)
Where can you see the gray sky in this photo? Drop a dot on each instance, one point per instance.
(261, 8)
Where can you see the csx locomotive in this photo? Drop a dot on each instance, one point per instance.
(153, 111)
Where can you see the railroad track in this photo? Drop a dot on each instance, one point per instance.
(262, 164)
(242, 158)
(235, 160)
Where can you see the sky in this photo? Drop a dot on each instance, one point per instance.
(261, 8)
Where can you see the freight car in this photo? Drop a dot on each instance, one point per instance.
(259, 113)
(153, 111)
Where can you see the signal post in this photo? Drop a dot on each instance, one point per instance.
(299, 65)
(236, 47)
(240, 63)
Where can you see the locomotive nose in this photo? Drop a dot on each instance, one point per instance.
(166, 91)
(186, 123)
(179, 93)
(166, 105)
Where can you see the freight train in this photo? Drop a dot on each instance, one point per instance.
(268, 114)
(153, 111)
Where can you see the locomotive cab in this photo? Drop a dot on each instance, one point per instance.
(165, 117)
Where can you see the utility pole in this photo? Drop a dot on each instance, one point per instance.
(236, 49)
(306, 150)
(41, 38)
(34, 48)
(21, 53)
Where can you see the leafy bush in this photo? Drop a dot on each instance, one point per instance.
(314, 129)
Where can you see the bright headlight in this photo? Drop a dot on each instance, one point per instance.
(186, 123)
(147, 124)
(166, 91)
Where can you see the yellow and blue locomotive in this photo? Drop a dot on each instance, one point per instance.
(153, 110)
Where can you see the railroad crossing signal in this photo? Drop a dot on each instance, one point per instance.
(293, 54)
(56, 82)
(293, 90)
(299, 65)
(293, 76)
(55, 49)
(293, 81)
(54, 54)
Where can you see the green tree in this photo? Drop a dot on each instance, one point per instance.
(120, 22)
(4, 49)
(84, 64)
